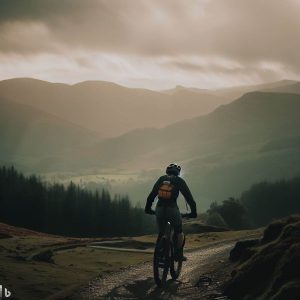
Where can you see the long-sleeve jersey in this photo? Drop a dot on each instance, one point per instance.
(179, 186)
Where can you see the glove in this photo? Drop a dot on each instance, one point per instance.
(149, 211)
(193, 214)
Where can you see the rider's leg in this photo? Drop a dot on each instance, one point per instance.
(180, 240)
(160, 221)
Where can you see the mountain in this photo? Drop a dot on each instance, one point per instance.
(254, 118)
(238, 91)
(232, 93)
(252, 139)
(30, 137)
(256, 137)
(108, 108)
(183, 88)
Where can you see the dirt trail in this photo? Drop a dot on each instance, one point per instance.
(136, 282)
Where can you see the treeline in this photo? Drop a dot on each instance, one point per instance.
(258, 206)
(72, 211)
(266, 201)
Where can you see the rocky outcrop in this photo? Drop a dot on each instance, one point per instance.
(272, 271)
(243, 250)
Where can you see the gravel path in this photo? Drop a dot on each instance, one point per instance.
(136, 282)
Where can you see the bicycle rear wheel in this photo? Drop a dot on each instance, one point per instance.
(161, 262)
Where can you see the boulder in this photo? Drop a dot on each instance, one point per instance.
(243, 249)
(44, 256)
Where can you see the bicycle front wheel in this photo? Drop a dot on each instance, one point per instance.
(161, 262)
(175, 266)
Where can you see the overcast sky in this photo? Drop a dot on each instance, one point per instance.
(151, 43)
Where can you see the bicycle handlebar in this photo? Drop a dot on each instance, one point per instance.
(185, 216)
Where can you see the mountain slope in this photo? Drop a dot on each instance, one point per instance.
(254, 118)
(30, 136)
(106, 107)
(222, 152)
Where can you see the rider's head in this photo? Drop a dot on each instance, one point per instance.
(173, 169)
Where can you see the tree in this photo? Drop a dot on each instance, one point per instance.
(232, 212)
(71, 210)
(215, 219)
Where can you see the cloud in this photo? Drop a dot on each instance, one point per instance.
(224, 38)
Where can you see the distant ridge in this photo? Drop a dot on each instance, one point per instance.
(106, 107)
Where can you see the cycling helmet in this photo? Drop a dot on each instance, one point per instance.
(173, 169)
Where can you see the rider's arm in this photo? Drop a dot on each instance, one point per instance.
(185, 191)
(152, 195)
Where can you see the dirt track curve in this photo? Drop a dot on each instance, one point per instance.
(136, 282)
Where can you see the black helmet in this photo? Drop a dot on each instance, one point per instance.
(173, 169)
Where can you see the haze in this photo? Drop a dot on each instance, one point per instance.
(151, 44)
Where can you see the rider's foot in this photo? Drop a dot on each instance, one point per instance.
(180, 258)
(183, 258)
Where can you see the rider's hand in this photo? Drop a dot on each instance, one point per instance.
(149, 211)
(193, 215)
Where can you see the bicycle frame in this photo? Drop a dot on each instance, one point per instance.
(163, 259)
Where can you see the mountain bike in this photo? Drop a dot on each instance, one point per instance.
(164, 256)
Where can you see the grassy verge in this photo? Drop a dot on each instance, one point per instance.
(72, 268)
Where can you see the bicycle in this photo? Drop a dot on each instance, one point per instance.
(163, 258)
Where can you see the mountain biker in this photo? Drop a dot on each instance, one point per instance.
(167, 189)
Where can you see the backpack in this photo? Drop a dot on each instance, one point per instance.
(165, 190)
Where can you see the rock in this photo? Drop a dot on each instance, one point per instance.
(289, 291)
(273, 231)
(242, 249)
(45, 256)
(203, 281)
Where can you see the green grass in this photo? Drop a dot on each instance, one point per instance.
(72, 268)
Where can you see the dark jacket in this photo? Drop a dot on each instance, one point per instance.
(179, 186)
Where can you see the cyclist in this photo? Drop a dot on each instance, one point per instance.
(167, 189)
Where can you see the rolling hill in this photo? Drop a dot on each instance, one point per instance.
(108, 108)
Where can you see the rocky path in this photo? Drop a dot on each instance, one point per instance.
(136, 282)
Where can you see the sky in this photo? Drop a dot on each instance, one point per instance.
(155, 44)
